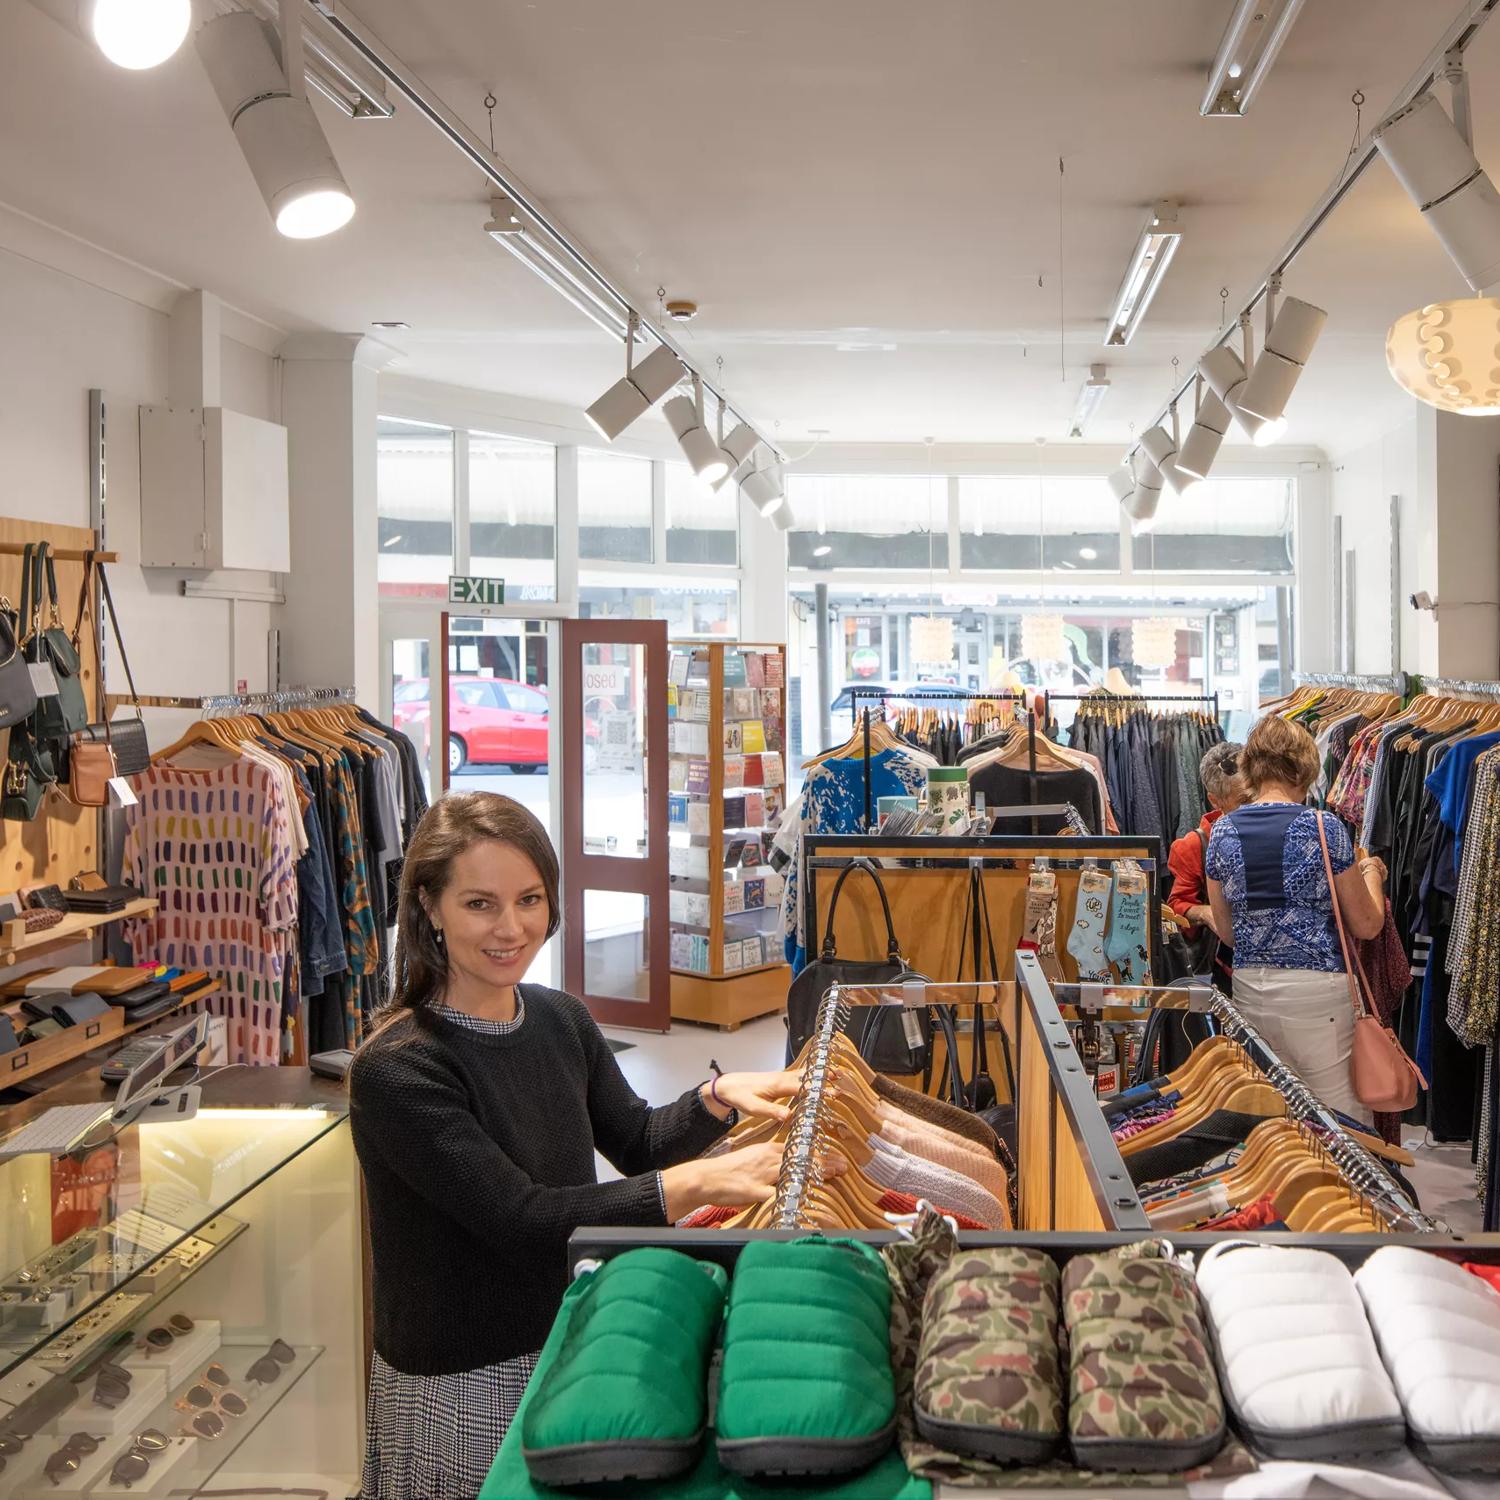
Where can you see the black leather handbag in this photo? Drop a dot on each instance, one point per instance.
(17, 695)
(61, 714)
(880, 1032)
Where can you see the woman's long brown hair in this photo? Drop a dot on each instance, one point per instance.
(450, 826)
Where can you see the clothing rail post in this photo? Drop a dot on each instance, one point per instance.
(1354, 1162)
(800, 1167)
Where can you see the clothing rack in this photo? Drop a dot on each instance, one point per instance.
(1458, 687)
(1361, 1169)
(1103, 695)
(1392, 682)
(928, 695)
(801, 1165)
(282, 698)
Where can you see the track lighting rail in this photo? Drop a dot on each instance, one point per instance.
(432, 109)
(1437, 67)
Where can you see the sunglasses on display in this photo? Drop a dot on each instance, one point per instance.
(178, 1326)
(270, 1365)
(212, 1394)
(69, 1458)
(111, 1386)
(130, 1468)
(208, 1425)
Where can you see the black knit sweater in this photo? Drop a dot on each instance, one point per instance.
(478, 1155)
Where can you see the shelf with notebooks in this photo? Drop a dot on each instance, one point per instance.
(167, 1283)
(726, 796)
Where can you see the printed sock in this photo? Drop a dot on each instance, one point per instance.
(1126, 944)
(1086, 940)
(1041, 922)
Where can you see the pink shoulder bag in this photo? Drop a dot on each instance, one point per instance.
(1384, 1077)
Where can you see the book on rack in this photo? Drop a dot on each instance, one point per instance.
(771, 664)
(736, 768)
(733, 739)
(734, 669)
(755, 669)
(677, 775)
(677, 670)
(688, 738)
(752, 736)
(770, 768)
(742, 703)
(698, 777)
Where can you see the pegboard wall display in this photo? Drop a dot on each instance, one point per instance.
(62, 840)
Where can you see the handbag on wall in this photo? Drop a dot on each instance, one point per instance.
(1384, 1077)
(65, 712)
(126, 741)
(880, 1032)
(17, 693)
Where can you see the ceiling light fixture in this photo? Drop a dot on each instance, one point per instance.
(137, 34)
(763, 489)
(1442, 176)
(1445, 354)
(684, 416)
(511, 230)
(1090, 397)
(1161, 447)
(740, 445)
(1149, 260)
(1143, 500)
(781, 516)
(1122, 482)
(327, 67)
(1291, 332)
(1210, 423)
(267, 107)
(1224, 371)
(390, 324)
(1256, 33)
(638, 390)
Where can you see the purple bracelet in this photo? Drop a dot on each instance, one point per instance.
(713, 1091)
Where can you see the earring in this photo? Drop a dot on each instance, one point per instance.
(437, 933)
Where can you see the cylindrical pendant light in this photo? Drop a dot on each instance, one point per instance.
(1289, 343)
(636, 391)
(1224, 371)
(1161, 448)
(1210, 423)
(1122, 483)
(685, 417)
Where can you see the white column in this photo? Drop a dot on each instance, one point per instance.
(763, 552)
(1466, 537)
(1312, 626)
(330, 622)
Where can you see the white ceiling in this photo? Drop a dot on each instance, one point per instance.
(852, 171)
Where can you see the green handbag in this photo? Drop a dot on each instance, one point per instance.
(61, 715)
(29, 771)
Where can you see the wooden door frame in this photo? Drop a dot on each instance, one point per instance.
(583, 871)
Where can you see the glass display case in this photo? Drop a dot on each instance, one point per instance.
(182, 1305)
(726, 794)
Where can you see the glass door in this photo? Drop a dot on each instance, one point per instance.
(410, 654)
(615, 859)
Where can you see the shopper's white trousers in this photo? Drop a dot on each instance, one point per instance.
(1307, 1019)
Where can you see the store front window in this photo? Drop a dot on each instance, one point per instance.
(880, 521)
(1013, 524)
(614, 507)
(702, 524)
(690, 607)
(414, 503)
(513, 514)
(1221, 526)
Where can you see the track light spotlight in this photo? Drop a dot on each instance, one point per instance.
(637, 391)
(1442, 176)
(137, 34)
(277, 131)
(1289, 341)
(1161, 448)
(1142, 503)
(685, 417)
(763, 489)
(782, 518)
(1201, 447)
(1122, 483)
(1224, 371)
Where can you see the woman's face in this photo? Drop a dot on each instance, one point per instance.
(493, 914)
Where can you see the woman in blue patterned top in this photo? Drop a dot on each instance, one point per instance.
(1269, 892)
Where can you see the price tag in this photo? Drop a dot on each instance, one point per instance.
(1091, 998)
(43, 680)
(912, 1027)
(120, 794)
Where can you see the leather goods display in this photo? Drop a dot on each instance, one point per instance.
(74, 1010)
(1438, 1330)
(49, 897)
(17, 694)
(36, 1006)
(626, 1398)
(806, 1384)
(126, 738)
(1297, 1361)
(1384, 1077)
(133, 1000)
(1142, 1393)
(104, 980)
(41, 919)
(880, 1032)
(100, 898)
(988, 1379)
(91, 767)
(61, 714)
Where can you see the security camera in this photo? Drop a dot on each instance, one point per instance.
(1424, 600)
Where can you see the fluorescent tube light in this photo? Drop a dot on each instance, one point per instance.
(1090, 398)
(1256, 33)
(1148, 264)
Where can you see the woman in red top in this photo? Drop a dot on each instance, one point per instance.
(1220, 773)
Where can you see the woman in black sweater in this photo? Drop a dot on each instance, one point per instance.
(477, 1105)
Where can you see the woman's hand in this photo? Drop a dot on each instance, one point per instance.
(733, 1180)
(1372, 870)
(1203, 916)
(753, 1094)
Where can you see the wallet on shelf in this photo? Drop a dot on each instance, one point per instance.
(74, 1010)
(44, 897)
(95, 979)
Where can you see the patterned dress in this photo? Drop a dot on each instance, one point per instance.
(434, 1437)
(215, 849)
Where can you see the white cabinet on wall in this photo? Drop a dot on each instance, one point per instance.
(214, 490)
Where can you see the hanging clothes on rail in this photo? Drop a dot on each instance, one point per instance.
(273, 843)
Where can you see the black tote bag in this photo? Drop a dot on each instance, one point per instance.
(881, 1033)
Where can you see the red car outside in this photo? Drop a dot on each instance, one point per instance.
(491, 721)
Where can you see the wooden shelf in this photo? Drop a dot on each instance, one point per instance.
(75, 925)
(67, 1046)
(732, 1000)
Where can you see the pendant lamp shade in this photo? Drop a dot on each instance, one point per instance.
(932, 640)
(1224, 371)
(1141, 504)
(1153, 642)
(635, 393)
(1162, 450)
(1043, 638)
(1448, 355)
(1197, 454)
(685, 417)
(1289, 345)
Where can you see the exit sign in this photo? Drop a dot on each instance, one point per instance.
(466, 590)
